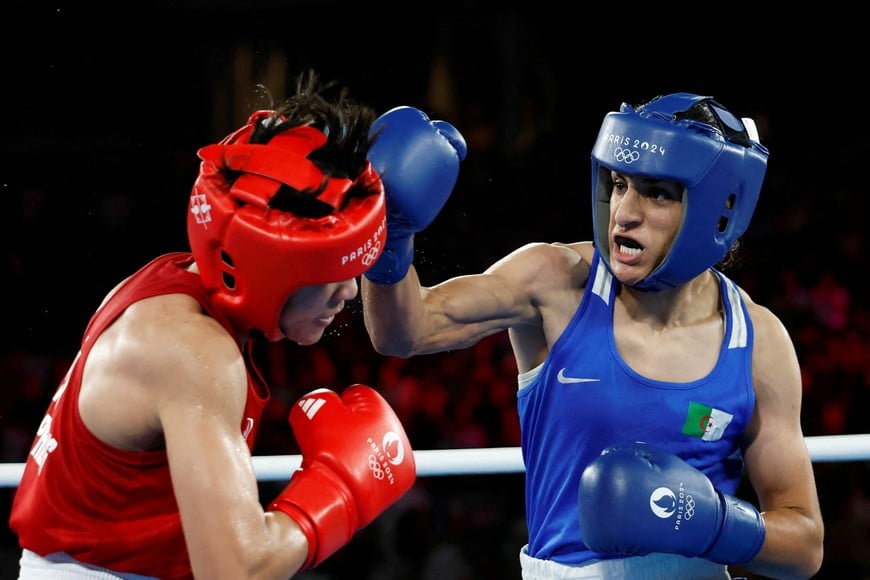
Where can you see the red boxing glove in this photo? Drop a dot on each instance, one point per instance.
(356, 462)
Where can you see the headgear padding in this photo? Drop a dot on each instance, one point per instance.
(251, 256)
(721, 169)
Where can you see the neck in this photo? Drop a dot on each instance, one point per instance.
(682, 305)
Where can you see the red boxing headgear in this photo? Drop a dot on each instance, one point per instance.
(253, 257)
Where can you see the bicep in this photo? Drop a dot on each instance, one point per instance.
(466, 309)
(777, 460)
(513, 294)
(408, 319)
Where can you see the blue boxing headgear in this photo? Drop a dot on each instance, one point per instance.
(719, 162)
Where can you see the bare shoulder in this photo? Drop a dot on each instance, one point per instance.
(162, 352)
(582, 249)
(172, 336)
(551, 280)
(768, 328)
(560, 250)
(575, 259)
(549, 261)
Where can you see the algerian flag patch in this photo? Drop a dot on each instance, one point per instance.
(706, 422)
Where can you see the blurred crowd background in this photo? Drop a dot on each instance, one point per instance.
(103, 111)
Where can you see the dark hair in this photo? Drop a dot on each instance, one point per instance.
(733, 256)
(712, 113)
(345, 122)
(716, 115)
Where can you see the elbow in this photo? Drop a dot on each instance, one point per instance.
(816, 552)
(808, 562)
(814, 559)
(809, 567)
(794, 552)
(386, 341)
(385, 349)
(387, 346)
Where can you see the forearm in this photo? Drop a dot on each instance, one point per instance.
(792, 548)
(393, 314)
(290, 541)
(269, 546)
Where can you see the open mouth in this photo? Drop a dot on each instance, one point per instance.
(627, 245)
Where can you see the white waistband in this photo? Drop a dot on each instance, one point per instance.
(61, 566)
(650, 567)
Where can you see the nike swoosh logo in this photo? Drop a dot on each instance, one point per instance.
(567, 380)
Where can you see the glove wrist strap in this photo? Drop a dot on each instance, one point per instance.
(394, 262)
(742, 533)
(322, 506)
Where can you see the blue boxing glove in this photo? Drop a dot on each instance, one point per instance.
(418, 161)
(636, 499)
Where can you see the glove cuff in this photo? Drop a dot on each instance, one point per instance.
(742, 534)
(394, 262)
(322, 506)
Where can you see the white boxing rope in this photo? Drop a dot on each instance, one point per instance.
(483, 461)
(430, 462)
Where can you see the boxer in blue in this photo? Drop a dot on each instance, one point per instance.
(649, 382)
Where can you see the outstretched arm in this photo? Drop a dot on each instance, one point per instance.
(533, 291)
(407, 319)
(418, 161)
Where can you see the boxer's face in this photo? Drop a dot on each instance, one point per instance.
(311, 309)
(645, 215)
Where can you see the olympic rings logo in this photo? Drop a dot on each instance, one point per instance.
(689, 513)
(372, 254)
(375, 467)
(627, 156)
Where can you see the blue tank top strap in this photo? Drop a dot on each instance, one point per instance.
(739, 330)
